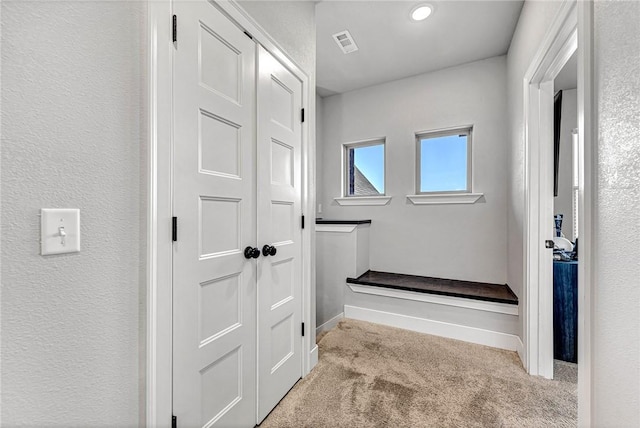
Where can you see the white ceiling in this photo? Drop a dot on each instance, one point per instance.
(568, 77)
(392, 46)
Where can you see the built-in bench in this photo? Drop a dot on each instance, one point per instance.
(475, 312)
(377, 297)
(497, 293)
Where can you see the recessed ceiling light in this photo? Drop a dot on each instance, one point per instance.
(421, 12)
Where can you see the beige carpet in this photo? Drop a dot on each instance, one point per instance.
(370, 375)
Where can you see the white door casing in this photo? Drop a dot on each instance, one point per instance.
(555, 50)
(214, 286)
(279, 225)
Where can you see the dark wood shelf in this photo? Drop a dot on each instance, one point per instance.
(322, 221)
(499, 293)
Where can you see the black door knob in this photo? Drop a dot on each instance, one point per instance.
(251, 253)
(269, 250)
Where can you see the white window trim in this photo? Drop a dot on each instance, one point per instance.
(445, 198)
(363, 200)
(459, 130)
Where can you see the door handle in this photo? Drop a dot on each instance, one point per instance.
(269, 250)
(251, 253)
(549, 243)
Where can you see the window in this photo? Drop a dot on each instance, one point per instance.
(364, 169)
(444, 161)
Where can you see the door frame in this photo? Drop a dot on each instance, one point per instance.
(158, 394)
(571, 31)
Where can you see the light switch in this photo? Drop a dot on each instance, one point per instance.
(59, 231)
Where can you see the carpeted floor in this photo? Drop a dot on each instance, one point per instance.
(370, 375)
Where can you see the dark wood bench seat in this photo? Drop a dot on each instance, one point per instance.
(499, 293)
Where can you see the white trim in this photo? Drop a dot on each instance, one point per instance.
(557, 47)
(363, 200)
(445, 198)
(337, 228)
(159, 245)
(520, 351)
(459, 302)
(437, 328)
(313, 356)
(329, 324)
(587, 201)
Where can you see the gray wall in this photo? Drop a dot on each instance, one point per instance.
(563, 203)
(616, 299)
(449, 241)
(72, 137)
(535, 19)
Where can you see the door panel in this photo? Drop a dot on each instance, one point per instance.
(279, 211)
(214, 286)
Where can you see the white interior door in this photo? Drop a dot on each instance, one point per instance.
(279, 226)
(214, 294)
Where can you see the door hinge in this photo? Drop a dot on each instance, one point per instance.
(302, 222)
(175, 28)
(174, 421)
(302, 329)
(248, 35)
(174, 229)
(302, 115)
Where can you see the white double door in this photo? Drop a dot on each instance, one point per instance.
(237, 341)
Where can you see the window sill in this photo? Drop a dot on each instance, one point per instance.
(445, 198)
(363, 200)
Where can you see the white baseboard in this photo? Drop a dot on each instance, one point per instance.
(520, 351)
(313, 357)
(329, 324)
(437, 328)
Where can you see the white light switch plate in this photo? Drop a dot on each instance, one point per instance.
(53, 221)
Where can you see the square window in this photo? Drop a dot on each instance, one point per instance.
(364, 169)
(444, 161)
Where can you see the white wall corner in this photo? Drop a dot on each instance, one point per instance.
(313, 357)
(329, 324)
(520, 351)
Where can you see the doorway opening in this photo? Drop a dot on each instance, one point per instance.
(566, 218)
(570, 33)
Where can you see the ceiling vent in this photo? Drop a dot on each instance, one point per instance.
(345, 41)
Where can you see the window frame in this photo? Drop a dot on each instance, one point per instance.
(459, 130)
(345, 167)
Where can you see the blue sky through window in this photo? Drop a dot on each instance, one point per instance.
(370, 161)
(443, 163)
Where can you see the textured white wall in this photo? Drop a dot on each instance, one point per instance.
(293, 25)
(616, 299)
(563, 203)
(535, 19)
(448, 241)
(319, 157)
(72, 137)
